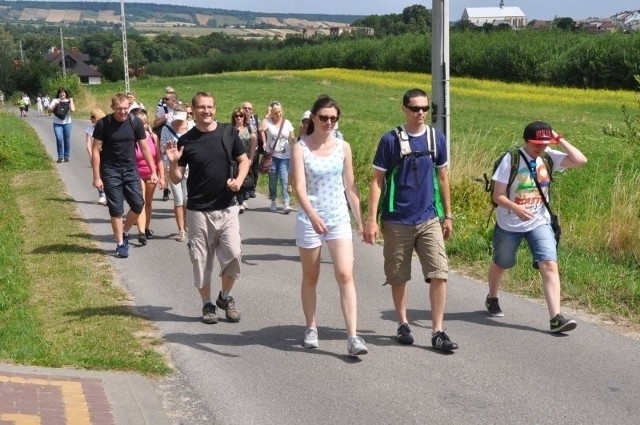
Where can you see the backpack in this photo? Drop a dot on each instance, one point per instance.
(489, 183)
(406, 152)
(62, 110)
(227, 145)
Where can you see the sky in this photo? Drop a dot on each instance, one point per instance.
(533, 9)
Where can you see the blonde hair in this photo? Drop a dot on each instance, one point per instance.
(97, 114)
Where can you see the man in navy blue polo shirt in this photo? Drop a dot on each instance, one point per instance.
(403, 180)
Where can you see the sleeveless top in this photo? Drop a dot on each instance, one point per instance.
(143, 167)
(325, 188)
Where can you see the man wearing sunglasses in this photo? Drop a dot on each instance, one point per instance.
(409, 218)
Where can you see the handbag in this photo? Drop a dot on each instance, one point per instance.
(61, 110)
(267, 158)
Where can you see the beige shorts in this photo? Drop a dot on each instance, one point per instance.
(401, 240)
(214, 233)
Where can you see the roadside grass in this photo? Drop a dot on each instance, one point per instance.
(60, 303)
(598, 204)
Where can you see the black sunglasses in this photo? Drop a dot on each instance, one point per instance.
(325, 118)
(416, 109)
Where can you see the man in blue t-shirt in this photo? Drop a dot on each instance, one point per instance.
(409, 220)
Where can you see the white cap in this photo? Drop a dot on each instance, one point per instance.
(305, 115)
(180, 115)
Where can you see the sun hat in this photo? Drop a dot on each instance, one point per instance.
(539, 133)
(305, 116)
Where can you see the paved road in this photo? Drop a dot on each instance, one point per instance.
(507, 370)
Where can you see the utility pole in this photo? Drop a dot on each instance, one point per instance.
(125, 55)
(440, 69)
(64, 65)
(21, 52)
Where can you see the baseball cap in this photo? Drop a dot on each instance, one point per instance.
(305, 115)
(539, 133)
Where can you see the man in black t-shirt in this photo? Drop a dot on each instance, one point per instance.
(114, 167)
(212, 209)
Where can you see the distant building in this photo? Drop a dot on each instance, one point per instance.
(627, 19)
(479, 16)
(75, 63)
(336, 31)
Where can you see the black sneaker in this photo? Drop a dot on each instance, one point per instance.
(442, 342)
(165, 195)
(142, 239)
(149, 234)
(229, 307)
(404, 334)
(252, 194)
(493, 307)
(209, 315)
(559, 323)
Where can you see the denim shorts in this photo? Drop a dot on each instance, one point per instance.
(122, 184)
(541, 241)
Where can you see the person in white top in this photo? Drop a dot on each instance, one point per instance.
(61, 107)
(133, 102)
(279, 136)
(322, 173)
(522, 214)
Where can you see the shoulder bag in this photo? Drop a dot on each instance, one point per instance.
(267, 157)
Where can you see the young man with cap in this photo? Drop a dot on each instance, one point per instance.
(522, 214)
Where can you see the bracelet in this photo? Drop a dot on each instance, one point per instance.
(448, 217)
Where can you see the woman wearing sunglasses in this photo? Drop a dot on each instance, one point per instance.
(248, 137)
(322, 171)
(279, 137)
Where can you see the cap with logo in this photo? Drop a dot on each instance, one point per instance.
(539, 133)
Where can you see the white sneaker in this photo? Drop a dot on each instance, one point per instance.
(245, 205)
(102, 200)
(241, 209)
(310, 338)
(287, 209)
(274, 206)
(355, 346)
(182, 235)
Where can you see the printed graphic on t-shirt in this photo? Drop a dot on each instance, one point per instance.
(525, 190)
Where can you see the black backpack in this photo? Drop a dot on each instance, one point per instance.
(228, 135)
(62, 110)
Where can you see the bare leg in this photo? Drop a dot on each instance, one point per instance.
(341, 251)
(400, 293)
(438, 296)
(551, 285)
(310, 261)
(495, 277)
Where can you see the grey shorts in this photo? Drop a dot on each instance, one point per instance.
(214, 234)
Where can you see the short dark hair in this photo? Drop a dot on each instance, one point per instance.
(410, 94)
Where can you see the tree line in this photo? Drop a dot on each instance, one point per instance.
(560, 55)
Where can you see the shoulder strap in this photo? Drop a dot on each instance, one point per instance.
(432, 143)
(535, 180)
(227, 146)
(172, 131)
(403, 139)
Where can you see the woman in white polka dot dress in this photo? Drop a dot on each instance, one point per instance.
(322, 175)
